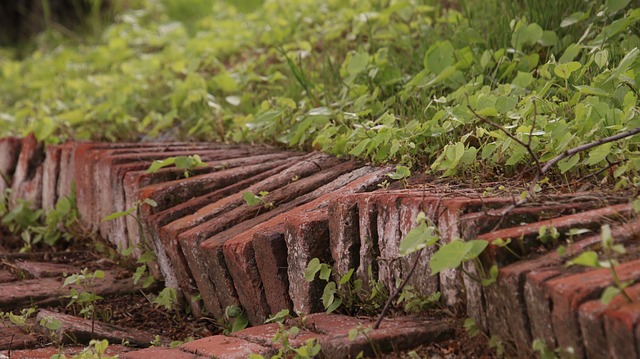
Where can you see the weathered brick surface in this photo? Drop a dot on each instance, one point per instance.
(50, 174)
(6, 276)
(567, 293)
(27, 179)
(43, 269)
(223, 347)
(271, 261)
(75, 330)
(621, 326)
(207, 260)
(14, 337)
(237, 243)
(393, 336)
(10, 150)
(265, 335)
(592, 327)
(344, 233)
(69, 351)
(309, 235)
(158, 353)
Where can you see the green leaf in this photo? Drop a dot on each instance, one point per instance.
(158, 164)
(115, 215)
(587, 259)
(526, 35)
(608, 294)
(250, 198)
(356, 151)
(614, 6)
(328, 295)
(419, 237)
(400, 173)
(451, 255)
(573, 18)
(601, 58)
(357, 63)
(439, 57)
(312, 268)
(325, 272)
(599, 153)
(568, 163)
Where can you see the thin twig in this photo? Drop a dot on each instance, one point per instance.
(609, 166)
(526, 146)
(398, 290)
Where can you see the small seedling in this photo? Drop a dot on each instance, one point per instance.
(235, 319)
(402, 173)
(253, 199)
(186, 163)
(86, 299)
(609, 261)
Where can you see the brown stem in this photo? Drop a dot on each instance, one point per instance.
(398, 290)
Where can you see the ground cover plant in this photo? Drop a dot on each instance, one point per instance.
(401, 81)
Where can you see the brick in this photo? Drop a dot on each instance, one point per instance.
(621, 330)
(223, 347)
(344, 233)
(29, 291)
(13, 337)
(505, 298)
(368, 224)
(158, 352)
(50, 171)
(331, 324)
(539, 307)
(271, 261)
(77, 330)
(309, 235)
(265, 334)
(10, 149)
(394, 335)
(124, 192)
(6, 276)
(170, 258)
(27, 179)
(69, 351)
(43, 291)
(44, 269)
(109, 174)
(66, 169)
(135, 180)
(592, 327)
(567, 293)
(208, 260)
(86, 157)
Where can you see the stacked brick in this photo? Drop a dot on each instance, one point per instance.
(211, 245)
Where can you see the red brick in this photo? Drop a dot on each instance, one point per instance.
(27, 179)
(567, 293)
(158, 353)
(80, 331)
(172, 263)
(44, 269)
(344, 233)
(621, 326)
(6, 276)
(66, 169)
(331, 324)
(222, 347)
(29, 291)
(271, 262)
(206, 261)
(13, 337)
(591, 315)
(10, 149)
(238, 242)
(309, 235)
(265, 334)
(50, 171)
(368, 224)
(69, 351)
(394, 335)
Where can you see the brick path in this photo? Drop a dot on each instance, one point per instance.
(209, 242)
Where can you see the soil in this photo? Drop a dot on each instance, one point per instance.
(136, 310)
